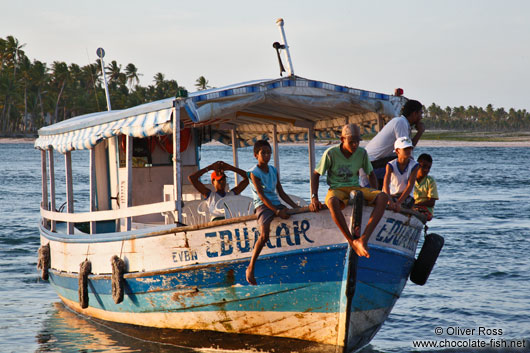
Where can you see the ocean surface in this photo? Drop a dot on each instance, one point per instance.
(478, 291)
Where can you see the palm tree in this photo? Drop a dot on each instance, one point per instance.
(40, 79)
(90, 75)
(60, 76)
(12, 54)
(114, 71)
(159, 79)
(202, 83)
(131, 72)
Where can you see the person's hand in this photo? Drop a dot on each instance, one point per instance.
(420, 126)
(283, 213)
(397, 207)
(391, 204)
(217, 166)
(315, 205)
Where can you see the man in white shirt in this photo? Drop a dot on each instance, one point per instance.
(381, 148)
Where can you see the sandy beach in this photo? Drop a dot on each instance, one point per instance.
(450, 143)
(17, 140)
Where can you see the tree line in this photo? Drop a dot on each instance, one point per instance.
(34, 94)
(475, 118)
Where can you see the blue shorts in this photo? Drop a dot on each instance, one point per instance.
(266, 215)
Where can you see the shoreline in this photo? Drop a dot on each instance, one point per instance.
(421, 143)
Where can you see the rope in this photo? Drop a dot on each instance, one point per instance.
(84, 270)
(43, 263)
(118, 268)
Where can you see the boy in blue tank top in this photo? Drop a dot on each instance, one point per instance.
(266, 188)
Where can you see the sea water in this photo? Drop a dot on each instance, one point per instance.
(479, 290)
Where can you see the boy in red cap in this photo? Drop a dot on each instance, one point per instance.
(218, 178)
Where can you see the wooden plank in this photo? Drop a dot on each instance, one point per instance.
(69, 188)
(109, 214)
(51, 164)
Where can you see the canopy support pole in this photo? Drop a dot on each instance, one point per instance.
(52, 185)
(128, 182)
(234, 153)
(275, 151)
(44, 203)
(177, 172)
(92, 166)
(311, 150)
(69, 189)
(113, 175)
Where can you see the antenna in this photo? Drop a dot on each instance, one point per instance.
(101, 54)
(278, 46)
(290, 70)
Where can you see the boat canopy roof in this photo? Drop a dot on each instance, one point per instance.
(292, 103)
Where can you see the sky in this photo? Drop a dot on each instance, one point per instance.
(452, 53)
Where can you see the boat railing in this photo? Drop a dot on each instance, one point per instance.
(108, 215)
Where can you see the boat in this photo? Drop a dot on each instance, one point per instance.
(142, 256)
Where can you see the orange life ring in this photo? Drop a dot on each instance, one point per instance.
(123, 141)
(165, 141)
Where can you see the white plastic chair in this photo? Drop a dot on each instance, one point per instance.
(236, 206)
(192, 215)
(203, 209)
(297, 200)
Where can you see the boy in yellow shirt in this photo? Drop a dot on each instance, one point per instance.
(425, 189)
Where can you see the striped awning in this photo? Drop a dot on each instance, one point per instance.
(290, 103)
(142, 125)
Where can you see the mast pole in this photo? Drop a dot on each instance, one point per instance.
(101, 54)
(112, 146)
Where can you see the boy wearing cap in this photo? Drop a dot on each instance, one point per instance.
(400, 175)
(342, 164)
(218, 178)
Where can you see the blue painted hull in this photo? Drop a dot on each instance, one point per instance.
(297, 282)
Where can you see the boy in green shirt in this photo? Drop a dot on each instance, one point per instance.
(342, 164)
(425, 189)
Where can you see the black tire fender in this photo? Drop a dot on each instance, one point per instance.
(426, 259)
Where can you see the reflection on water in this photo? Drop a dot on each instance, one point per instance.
(66, 331)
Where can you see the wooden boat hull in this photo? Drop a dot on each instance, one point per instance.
(310, 288)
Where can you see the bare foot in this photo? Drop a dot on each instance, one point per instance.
(360, 248)
(250, 277)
